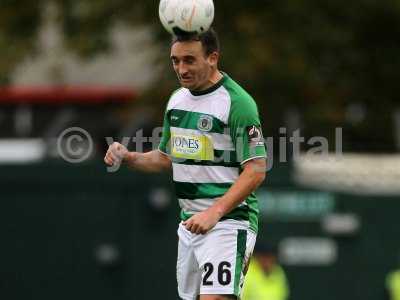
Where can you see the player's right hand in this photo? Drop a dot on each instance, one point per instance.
(116, 153)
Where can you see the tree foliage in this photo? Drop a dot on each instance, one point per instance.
(315, 56)
(19, 21)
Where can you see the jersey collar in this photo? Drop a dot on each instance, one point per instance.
(211, 88)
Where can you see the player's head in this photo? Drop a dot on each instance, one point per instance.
(266, 255)
(195, 58)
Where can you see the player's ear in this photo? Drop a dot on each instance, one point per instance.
(213, 59)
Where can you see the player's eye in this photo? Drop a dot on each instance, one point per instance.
(189, 60)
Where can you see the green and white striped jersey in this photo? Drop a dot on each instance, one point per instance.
(208, 136)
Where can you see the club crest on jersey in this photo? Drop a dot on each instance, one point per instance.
(255, 136)
(205, 123)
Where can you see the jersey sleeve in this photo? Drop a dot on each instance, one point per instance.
(166, 135)
(166, 131)
(245, 131)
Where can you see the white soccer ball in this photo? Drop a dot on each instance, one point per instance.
(186, 15)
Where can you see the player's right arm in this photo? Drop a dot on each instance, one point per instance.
(153, 161)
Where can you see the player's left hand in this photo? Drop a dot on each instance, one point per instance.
(202, 222)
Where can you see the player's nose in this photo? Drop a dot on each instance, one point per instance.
(182, 69)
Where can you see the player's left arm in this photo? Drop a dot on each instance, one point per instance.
(253, 174)
(246, 135)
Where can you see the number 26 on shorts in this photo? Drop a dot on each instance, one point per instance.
(224, 273)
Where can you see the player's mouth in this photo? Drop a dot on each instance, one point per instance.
(186, 79)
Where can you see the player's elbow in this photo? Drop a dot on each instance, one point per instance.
(257, 171)
(166, 166)
(164, 162)
(259, 178)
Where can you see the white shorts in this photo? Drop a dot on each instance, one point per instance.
(214, 263)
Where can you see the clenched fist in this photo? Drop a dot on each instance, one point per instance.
(202, 222)
(116, 153)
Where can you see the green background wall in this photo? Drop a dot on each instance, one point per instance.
(54, 216)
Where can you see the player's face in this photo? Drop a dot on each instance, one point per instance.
(192, 66)
(267, 261)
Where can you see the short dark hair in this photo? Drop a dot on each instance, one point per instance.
(209, 39)
(265, 248)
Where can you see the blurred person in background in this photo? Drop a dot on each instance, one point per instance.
(209, 117)
(265, 279)
(393, 285)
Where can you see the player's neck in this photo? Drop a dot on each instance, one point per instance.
(215, 77)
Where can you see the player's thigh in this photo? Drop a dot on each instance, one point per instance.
(223, 255)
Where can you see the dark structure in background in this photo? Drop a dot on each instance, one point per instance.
(44, 111)
(33, 117)
(80, 232)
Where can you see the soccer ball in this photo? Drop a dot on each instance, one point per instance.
(187, 16)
